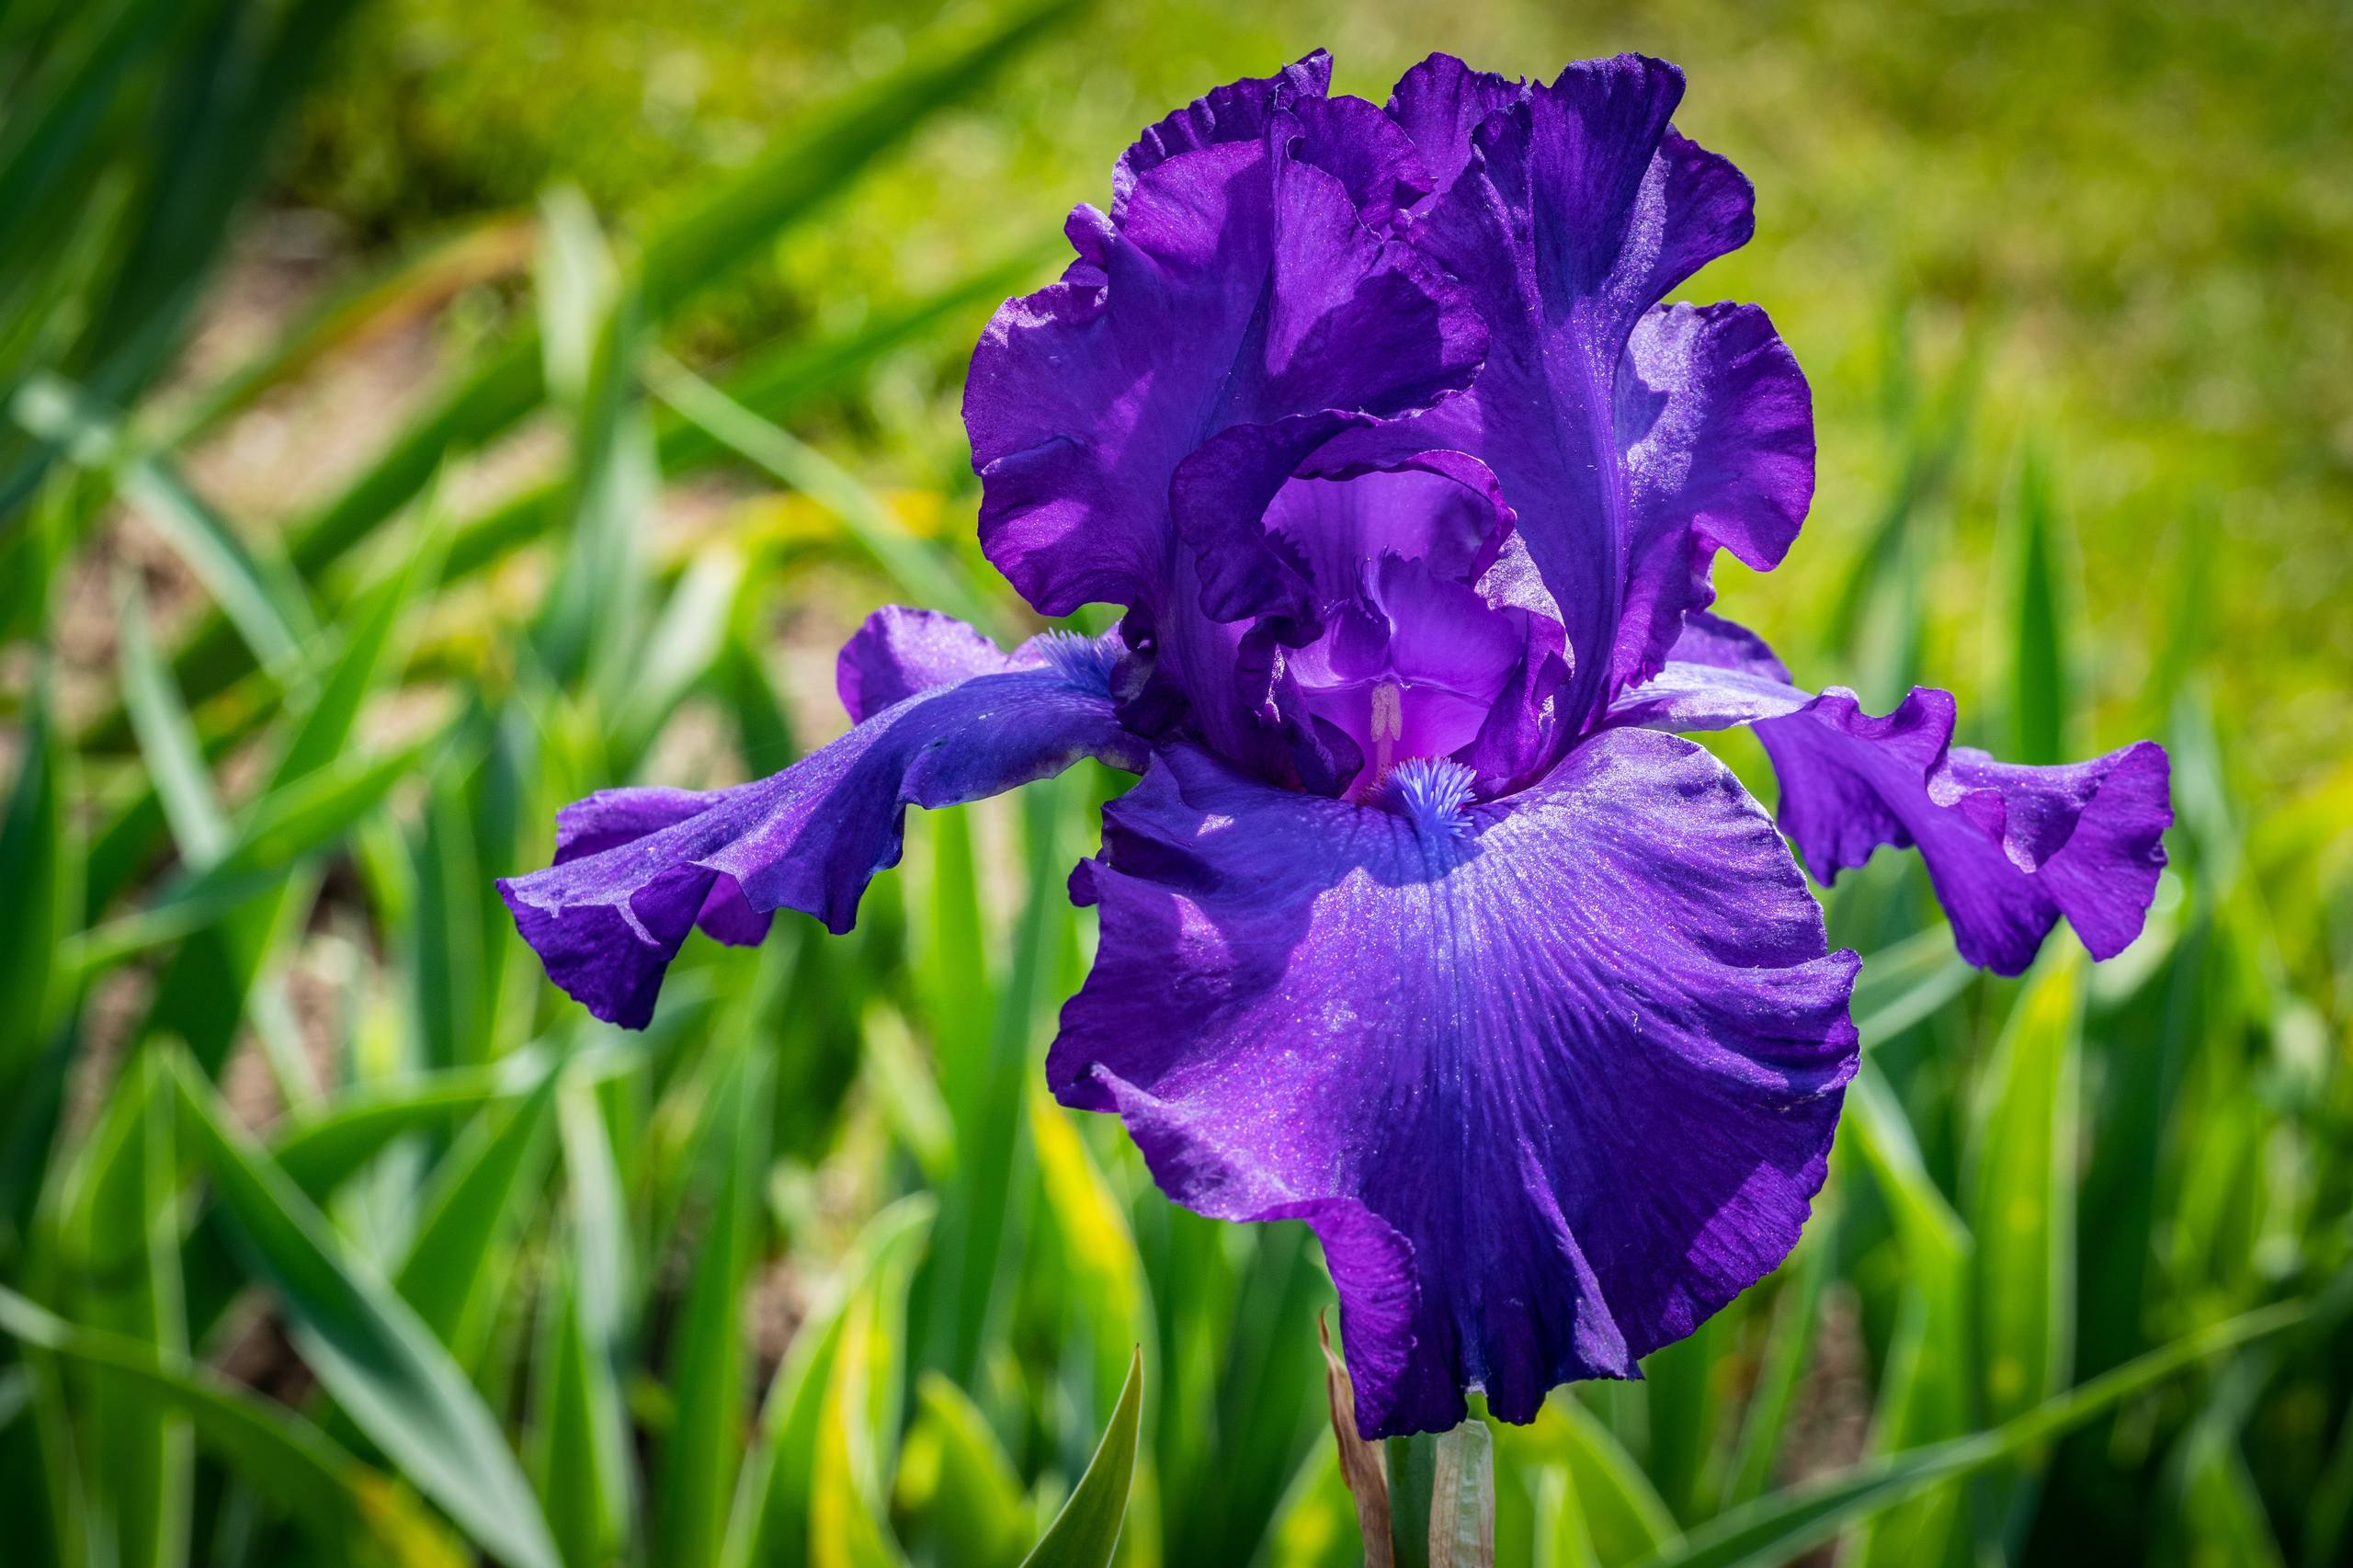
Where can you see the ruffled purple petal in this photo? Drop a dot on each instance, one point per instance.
(1238, 111)
(1444, 508)
(900, 651)
(1440, 102)
(1716, 424)
(1553, 1077)
(636, 868)
(1367, 152)
(1413, 664)
(1385, 641)
(2010, 848)
(1575, 210)
(1345, 137)
(1235, 284)
(613, 817)
(1271, 541)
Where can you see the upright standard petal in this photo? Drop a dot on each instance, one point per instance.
(1715, 429)
(1632, 441)
(1441, 102)
(1553, 1077)
(636, 868)
(1238, 291)
(1394, 628)
(2009, 848)
(1238, 111)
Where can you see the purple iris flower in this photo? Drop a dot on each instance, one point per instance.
(1422, 925)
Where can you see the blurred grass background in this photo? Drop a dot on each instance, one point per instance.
(421, 413)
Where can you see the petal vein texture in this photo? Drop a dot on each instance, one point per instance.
(1550, 1090)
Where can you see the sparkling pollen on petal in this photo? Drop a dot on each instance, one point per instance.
(2010, 848)
(637, 868)
(1571, 1059)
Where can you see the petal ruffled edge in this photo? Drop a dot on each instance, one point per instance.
(2011, 849)
(1241, 288)
(1642, 970)
(1238, 111)
(1580, 196)
(901, 650)
(637, 868)
(1715, 431)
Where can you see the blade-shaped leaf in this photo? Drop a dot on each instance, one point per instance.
(956, 1485)
(2020, 1182)
(168, 742)
(927, 576)
(707, 1369)
(848, 1516)
(987, 1100)
(1086, 1533)
(775, 383)
(581, 1471)
(409, 288)
(40, 865)
(208, 990)
(584, 1457)
(452, 1275)
(257, 593)
(121, 1242)
(1677, 1381)
(2040, 678)
(1099, 1252)
(804, 167)
(367, 1347)
(280, 1456)
(1620, 1513)
(1787, 1343)
(770, 1521)
(1925, 1393)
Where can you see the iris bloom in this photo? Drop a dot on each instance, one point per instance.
(1423, 925)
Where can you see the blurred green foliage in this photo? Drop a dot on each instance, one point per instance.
(327, 1231)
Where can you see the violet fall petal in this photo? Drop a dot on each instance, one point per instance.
(1552, 1078)
(636, 868)
(2010, 848)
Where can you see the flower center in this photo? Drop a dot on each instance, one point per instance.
(1433, 794)
(1413, 654)
(1408, 666)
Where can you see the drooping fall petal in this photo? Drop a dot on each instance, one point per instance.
(2010, 848)
(1552, 1078)
(637, 868)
